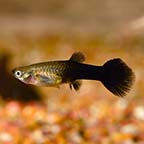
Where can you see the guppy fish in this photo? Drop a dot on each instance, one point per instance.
(115, 75)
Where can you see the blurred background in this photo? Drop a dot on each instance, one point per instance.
(35, 31)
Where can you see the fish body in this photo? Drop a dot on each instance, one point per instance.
(114, 74)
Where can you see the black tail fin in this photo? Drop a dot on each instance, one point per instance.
(117, 77)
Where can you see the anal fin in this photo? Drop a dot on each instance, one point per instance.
(75, 84)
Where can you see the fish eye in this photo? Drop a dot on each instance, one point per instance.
(18, 74)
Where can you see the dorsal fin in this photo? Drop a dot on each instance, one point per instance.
(77, 57)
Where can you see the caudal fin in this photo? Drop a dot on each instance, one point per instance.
(117, 77)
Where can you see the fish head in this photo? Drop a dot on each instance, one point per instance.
(25, 75)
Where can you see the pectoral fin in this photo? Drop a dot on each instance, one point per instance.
(75, 84)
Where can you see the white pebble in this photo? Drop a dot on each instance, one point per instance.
(55, 129)
(139, 112)
(128, 141)
(129, 129)
(122, 104)
(38, 137)
(5, 137)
